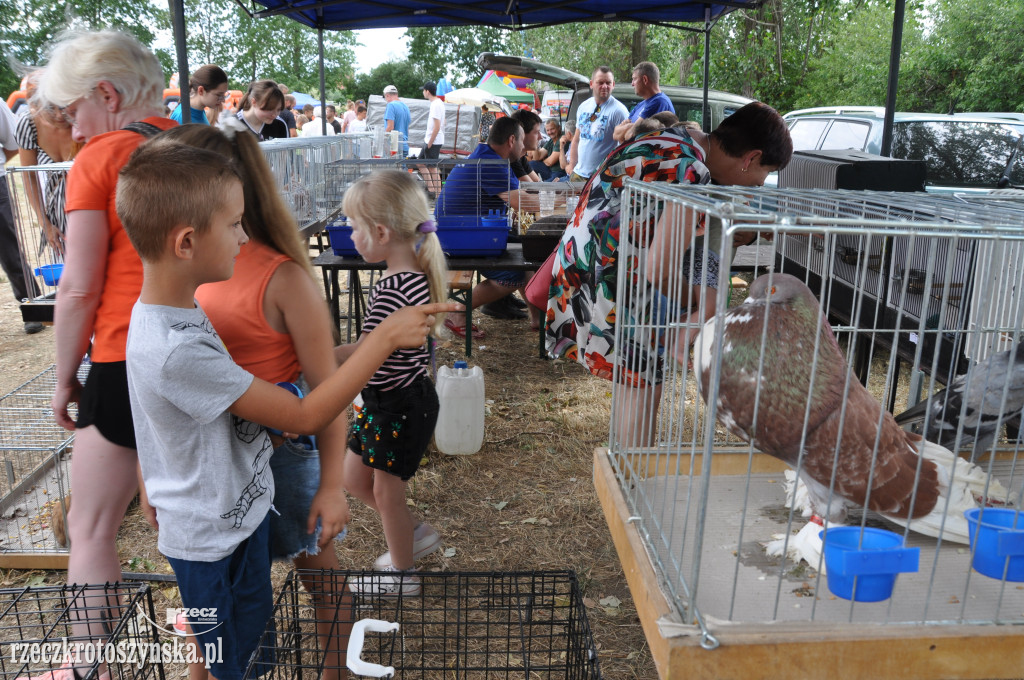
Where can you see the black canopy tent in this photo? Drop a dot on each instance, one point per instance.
(514, 15)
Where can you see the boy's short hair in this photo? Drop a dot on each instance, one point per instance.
(166, 184)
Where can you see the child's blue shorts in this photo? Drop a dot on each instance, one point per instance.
(238, 588)
(296, 480)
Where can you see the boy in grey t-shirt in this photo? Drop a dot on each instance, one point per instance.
(203, 458)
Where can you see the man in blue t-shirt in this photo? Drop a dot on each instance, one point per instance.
(396, 117)
(476, 189)
(646, 77)
(596, 120)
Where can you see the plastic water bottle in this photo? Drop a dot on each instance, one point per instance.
(460, 421)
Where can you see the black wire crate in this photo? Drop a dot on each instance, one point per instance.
(460, 626)
(103, 632)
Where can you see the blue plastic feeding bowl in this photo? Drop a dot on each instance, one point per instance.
(862, 564)
(50, 273)
(999, 533)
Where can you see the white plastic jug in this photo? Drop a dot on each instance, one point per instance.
(460, 421)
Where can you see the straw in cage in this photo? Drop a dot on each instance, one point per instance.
(465, 625)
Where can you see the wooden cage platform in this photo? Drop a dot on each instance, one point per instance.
(832, 645)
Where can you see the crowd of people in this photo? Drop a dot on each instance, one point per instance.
(187, 286)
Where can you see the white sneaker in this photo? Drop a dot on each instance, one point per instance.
(392, 584)
(424, 542)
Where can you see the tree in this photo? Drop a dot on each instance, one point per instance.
(452, 51)
(972, 60)
(404, 75)
(28, 26)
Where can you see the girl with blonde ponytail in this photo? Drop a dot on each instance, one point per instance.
(392, 222)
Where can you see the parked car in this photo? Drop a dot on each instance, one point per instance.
(962, 152)
(688, 101)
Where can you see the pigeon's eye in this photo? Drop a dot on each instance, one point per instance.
(772, 291)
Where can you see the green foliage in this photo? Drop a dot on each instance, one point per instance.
(27, 26)
(451, 51)
(404, 75)
(248, 49)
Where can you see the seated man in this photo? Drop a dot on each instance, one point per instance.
(545, 160)
(476, 189)
(531, 123)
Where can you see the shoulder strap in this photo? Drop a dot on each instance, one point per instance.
(143, 128)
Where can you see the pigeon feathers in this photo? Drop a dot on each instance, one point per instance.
(785, 387)
(975, 404)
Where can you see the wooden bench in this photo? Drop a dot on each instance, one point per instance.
(460, 289)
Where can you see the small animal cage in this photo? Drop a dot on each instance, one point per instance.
(36, 478)
(37, 203)
(694, 508)
(298, 166)
(41, 635)
(464, 626)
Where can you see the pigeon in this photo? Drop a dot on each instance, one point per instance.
(975, 404)
(785, 387)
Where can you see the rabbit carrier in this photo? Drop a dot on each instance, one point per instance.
(37, 203)
(457, 625)
(36, 477)
(43, 636)
(298, 166)
(771, 513)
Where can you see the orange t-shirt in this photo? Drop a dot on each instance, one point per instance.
(235, 307)
(91, 185)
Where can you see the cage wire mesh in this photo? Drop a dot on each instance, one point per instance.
(37, 204)
(35, 482)
(299, 169)
(42, 634)
(917, 289)
(464, 626)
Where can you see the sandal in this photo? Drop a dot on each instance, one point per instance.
(460, 331)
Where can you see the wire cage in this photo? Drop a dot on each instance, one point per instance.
(37, 203)
(298, 165)
(41, 634)
(36, 478)
(461, 626)
(916, 289)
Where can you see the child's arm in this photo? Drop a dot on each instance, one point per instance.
(271, 406)
(342, 353)
(306, 318)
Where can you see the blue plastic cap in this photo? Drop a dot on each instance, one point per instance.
(461, 364)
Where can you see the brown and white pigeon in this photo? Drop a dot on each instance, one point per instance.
(785, 384)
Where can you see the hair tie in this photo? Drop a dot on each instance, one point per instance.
(231, 125)
(427, 227)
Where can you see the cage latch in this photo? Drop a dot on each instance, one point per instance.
(355, 648)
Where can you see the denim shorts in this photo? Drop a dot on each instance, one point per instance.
(296, 473)
(238, 587)
(394, 427)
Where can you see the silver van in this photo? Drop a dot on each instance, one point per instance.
(688, 101)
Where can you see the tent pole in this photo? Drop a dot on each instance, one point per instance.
(706, 113)
(894, 77)
(320, 39)
(180, 46)
(323, 78)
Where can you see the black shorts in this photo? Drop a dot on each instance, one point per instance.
(393, 429)
(105, 403)
(428, 152)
